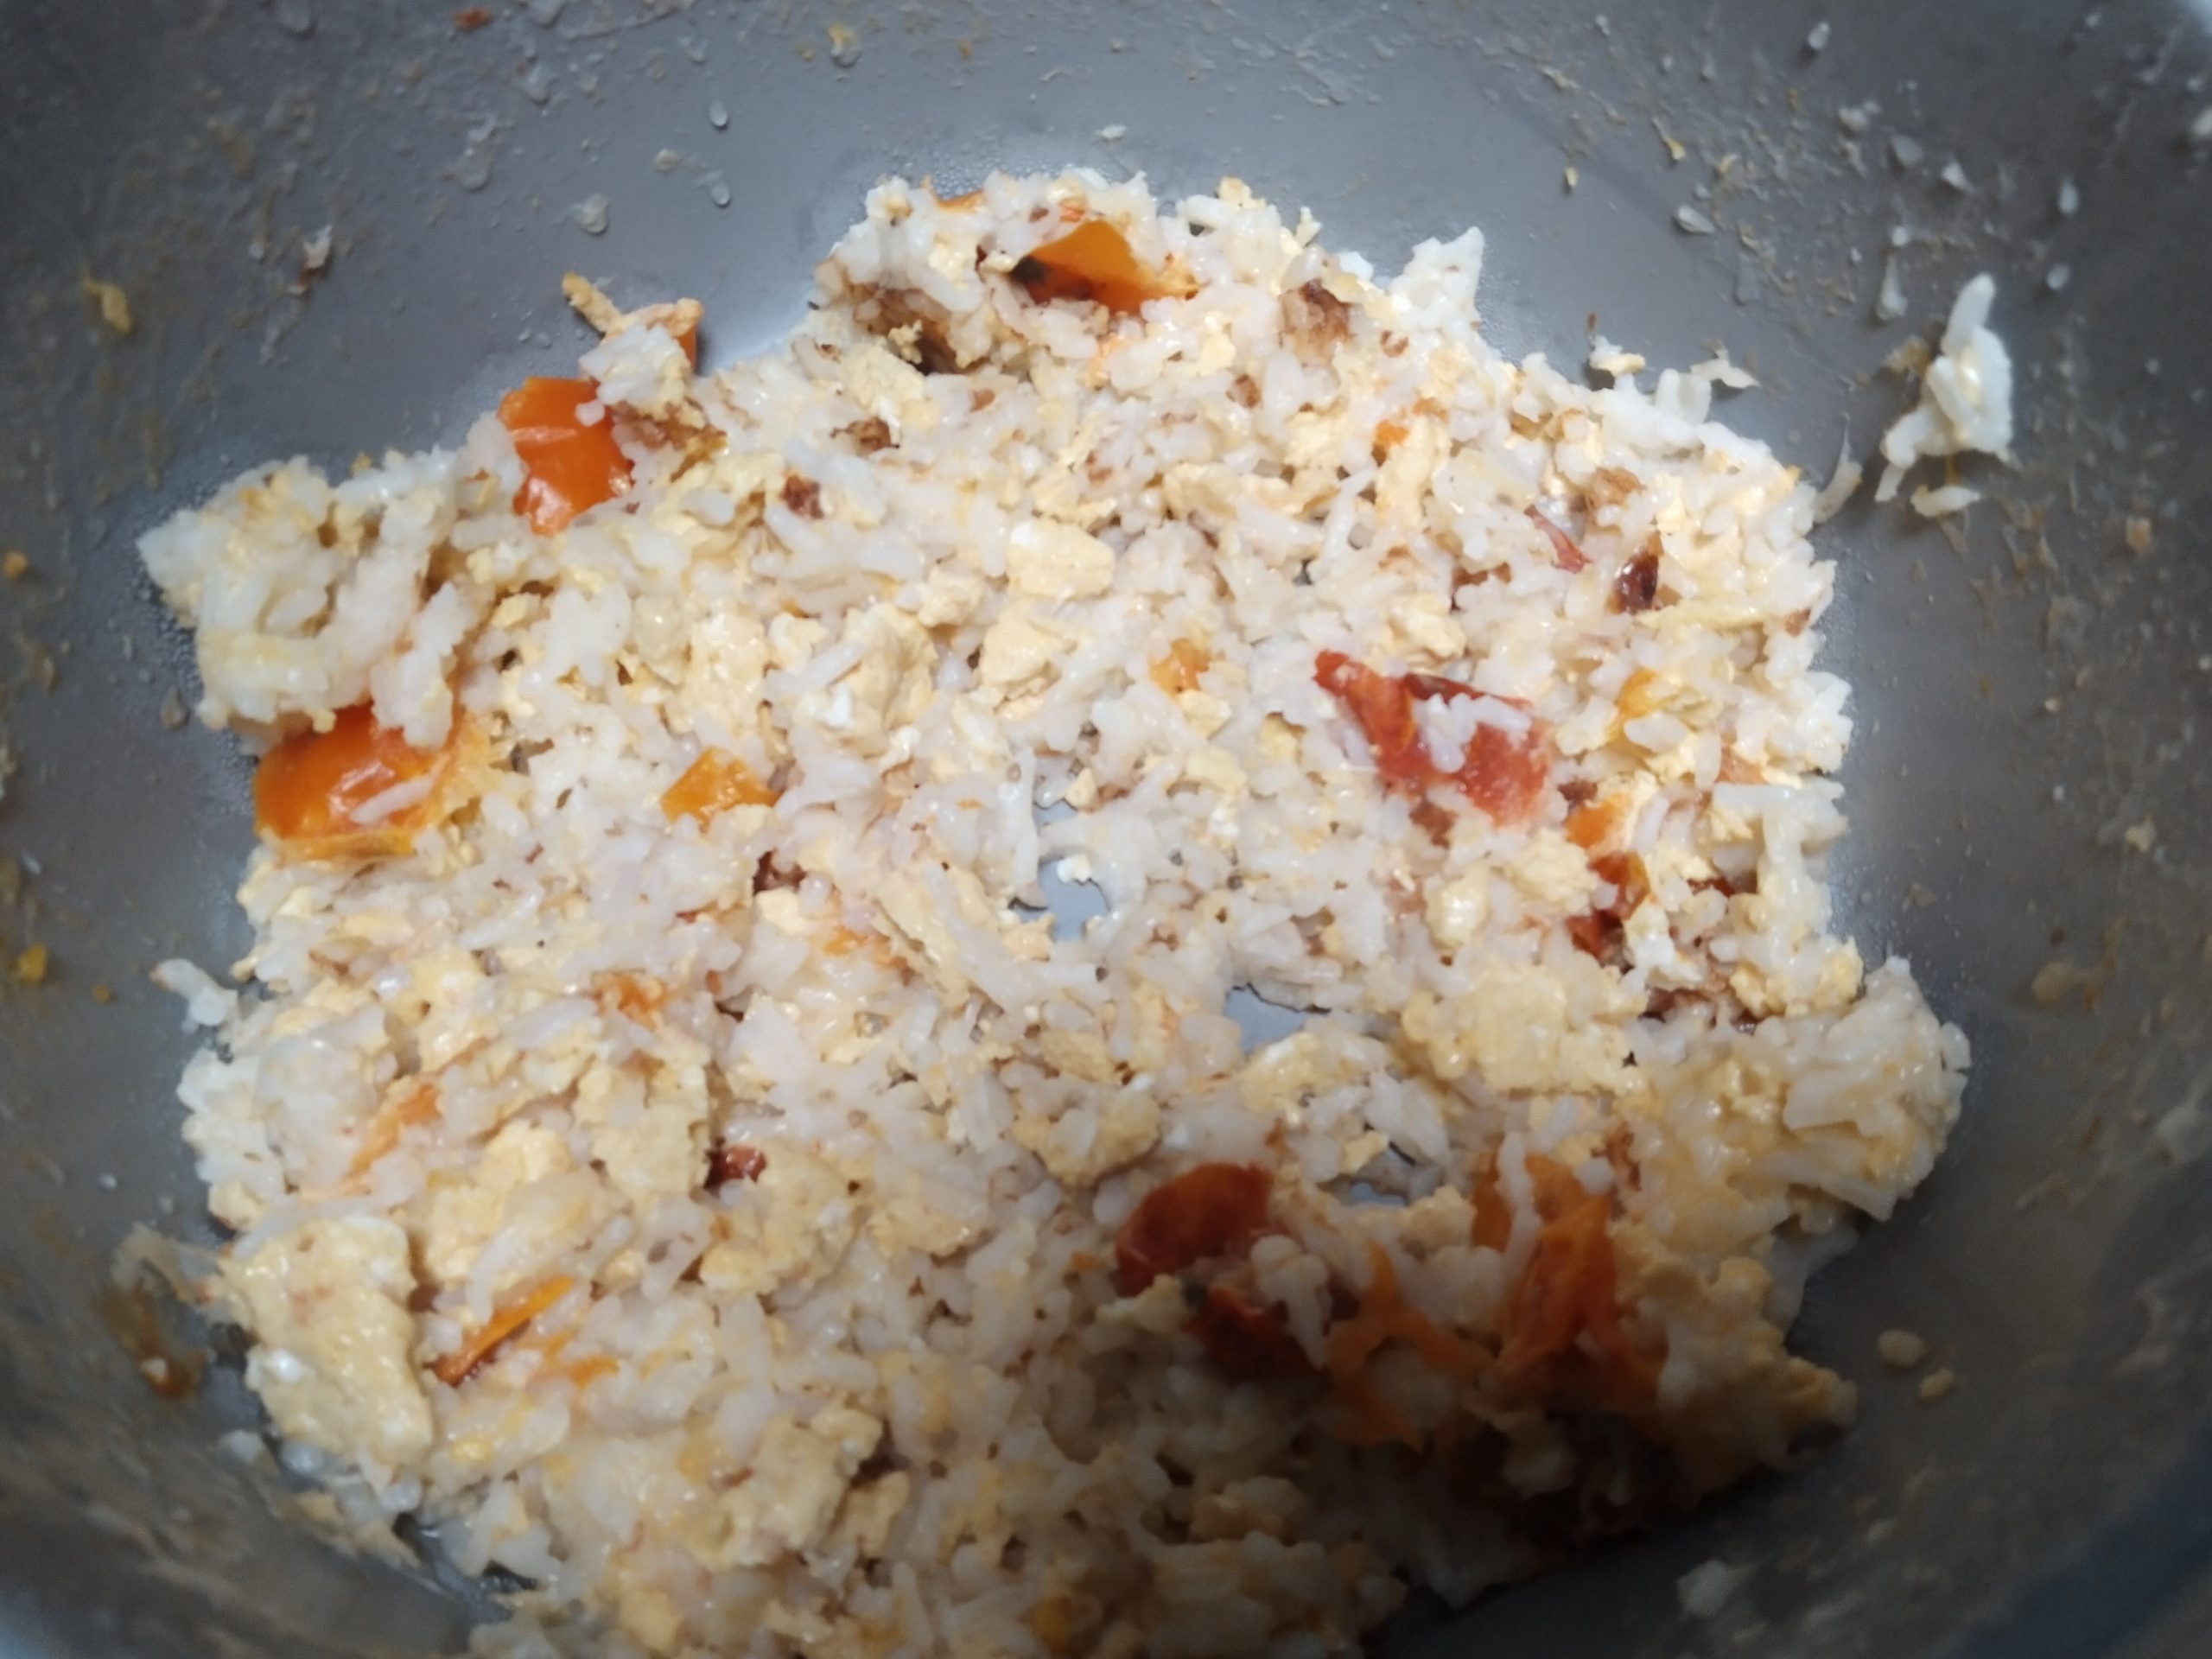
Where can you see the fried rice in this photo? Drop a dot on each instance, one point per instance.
(1123, 953)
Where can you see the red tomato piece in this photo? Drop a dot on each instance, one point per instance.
(1208, 1211)
(1245, 1340)
(1384, 709)
(1503, 774)
(1564, 1336)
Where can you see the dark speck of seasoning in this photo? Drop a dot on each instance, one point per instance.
(869, 435)
(803, 496)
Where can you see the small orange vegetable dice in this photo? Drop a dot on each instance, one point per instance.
(307, 788)
(716, 781)
(570, 465)
(1094, 261)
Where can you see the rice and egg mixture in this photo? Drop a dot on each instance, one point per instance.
(674, 1153)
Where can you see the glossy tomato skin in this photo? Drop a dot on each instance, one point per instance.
(1206, 1212)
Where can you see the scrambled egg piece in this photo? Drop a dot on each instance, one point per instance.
(1017, 649)
(887, 688)
(1084, 1145)
(791, 1224)
(114, 305)
(328, 1304)
(1518, 1029)
(1047, 559)
(787, 1502)
(915, 910)
(728, 659)
(877, 380)
(1553, 870)
(1457, 909)
(1277, 1079)
(524, 1192)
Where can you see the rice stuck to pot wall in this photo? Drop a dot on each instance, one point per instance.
(675, 1151)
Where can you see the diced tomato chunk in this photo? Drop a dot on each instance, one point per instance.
(1244, 1338)
(412, 1106)
(1629, 877)
(1182, 668)
(1493, 1215)
(1564, 1335)
(1382, 1317)
(569, 467)
(1206, 1212)
(1382, 707)
(1597, 932)
(1502, 773)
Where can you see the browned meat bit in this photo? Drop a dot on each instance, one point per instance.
(469, 19)
(1433, 821)
(1244, 390)
(1602, 933)
(913, 330)
(1608, 487)
(1636, 587)
(733, 1160)
(1566, 552)
(770, 875)
(868, 436)
(1315, 319)
(1734, 769)
(932, 352)
(1618, 1148)
(802, 495)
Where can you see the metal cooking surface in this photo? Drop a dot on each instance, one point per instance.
(2027, 698)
